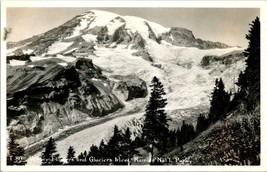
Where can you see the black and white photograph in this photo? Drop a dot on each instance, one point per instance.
(155, 86)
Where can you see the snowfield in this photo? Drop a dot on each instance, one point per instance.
(186, 83)
(58, 47)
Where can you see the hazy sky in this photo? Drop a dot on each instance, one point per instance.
(227, 25)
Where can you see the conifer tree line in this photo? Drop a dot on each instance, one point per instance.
(156, 138)
(119, 150)
(249, 79)
(16, 153)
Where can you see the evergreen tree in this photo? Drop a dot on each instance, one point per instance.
(249, 80)
(94, 152)
(85, 154)
(178, 137)
(103, 152)
(81, 159)
(49, 156)
(202, 123)
(253, 57)
(172, 139)
(155, 127)
(71, 156)
(128, 148)
(114, 144)
(187, 133)
(16, 153)
(219, 102)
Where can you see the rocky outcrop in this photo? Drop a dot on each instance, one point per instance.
(42, 100)
(151, 35)
(79, 48)
(120, 36)
(226, 59)
(129, 87)
(138, 43)
(184, 37)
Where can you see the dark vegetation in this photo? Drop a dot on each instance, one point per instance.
(15, 153)
(23, 57)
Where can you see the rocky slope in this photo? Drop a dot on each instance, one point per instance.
(44, 96)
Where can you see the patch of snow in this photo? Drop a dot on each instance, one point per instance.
(95, 79)
(66, 58)
(113, 45)
(58, 47)
(136, 24)
(70, 50)
(89, 37)
(28, 51)
(164, 42)
(171, 37)
(157, 28)
(38, 58)
(63, 64)
(17, 62)
(77, 30)
(102, 18)
(31, 66)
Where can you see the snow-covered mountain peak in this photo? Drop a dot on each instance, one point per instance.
(109, 29)
(87, 59)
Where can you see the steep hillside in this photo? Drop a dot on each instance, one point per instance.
(232, 141)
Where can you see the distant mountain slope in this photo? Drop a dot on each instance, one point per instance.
(81, 33)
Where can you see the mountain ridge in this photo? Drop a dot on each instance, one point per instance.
(90, 23)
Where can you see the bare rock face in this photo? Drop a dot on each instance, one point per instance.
(139, 44)
(129, 87)
(42, 100)
(184, 37)
(151, 35)
(226, 59)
